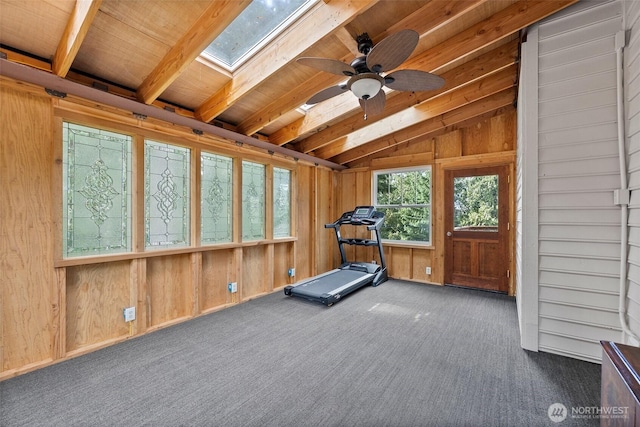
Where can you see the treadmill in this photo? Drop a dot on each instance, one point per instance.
(328, 288)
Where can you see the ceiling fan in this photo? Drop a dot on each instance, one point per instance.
(365, 81)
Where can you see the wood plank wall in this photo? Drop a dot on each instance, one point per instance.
(53, 309)
(486, 141)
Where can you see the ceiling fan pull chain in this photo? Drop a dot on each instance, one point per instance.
(365, 109)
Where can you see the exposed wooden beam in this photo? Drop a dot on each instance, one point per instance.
(425, 20)
(503, 23)
(467, 73)
(409, 117)
(74, 33)
(433, 15)
(211, 23)
(323, 20)
(469, 111)
(494, 28)
(348, 41)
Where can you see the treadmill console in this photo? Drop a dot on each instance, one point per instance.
(362, 212)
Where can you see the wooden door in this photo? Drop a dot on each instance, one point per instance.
(477, 228)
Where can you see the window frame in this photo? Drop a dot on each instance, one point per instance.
(429, 206)
(136, 198)
(273, 202)
(267, 226)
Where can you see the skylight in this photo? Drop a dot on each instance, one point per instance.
(260, 22)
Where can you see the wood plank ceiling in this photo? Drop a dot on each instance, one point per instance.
(149, 50)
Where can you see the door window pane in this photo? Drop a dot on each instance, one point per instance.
(96, 191)
(216, 210)
(166, 185)
(475, 203)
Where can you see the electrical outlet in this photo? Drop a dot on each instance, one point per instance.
(233, 287)
(129, 314)
(428, 270)
(292, 272)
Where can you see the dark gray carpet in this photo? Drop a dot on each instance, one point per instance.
(401, 354)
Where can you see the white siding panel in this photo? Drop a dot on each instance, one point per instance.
(581, 102)
(580, 282)
(586, 331)
(583, 134)
(587, 315)
(584, 69)
(573, 119)
(586, 14)
(598, 50)
(584, 350)
(610, 216)
(590, 199)
(589, 266)
(602, 165)
(580, 233)
(568, 184)
(578, 169)
(603, 250)
(586, 150)
(632, 106)
(597, 301)
(592, 82)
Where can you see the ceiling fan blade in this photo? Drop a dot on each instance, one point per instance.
(392, 51)
(413, 80)
(332, 66)
(373, 105)
(327, 93)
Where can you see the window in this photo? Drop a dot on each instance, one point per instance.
(281, 202)
(475, 203)
(166, 195)
(96, 191)
(253, 201)
(100, 194)
(216, 209)
(404, 196)
(258, 24)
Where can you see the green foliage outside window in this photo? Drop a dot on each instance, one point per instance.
(475, 202)
(404, 196)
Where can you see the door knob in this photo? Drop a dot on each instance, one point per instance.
(449, 234)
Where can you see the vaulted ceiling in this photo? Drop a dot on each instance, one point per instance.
(148, 50)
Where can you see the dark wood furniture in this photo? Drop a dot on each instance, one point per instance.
(620, 393)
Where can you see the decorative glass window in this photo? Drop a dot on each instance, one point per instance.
(281, 202)
(253, 201)
(96, 192)
(216, 210)
(166, 195)
(404, 196)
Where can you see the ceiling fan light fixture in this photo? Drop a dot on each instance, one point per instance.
(367, 86)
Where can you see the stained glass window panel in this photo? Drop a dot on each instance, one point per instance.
(166, 194)
(96, 191)
(253, 201)
(216, 209)
(281, 202)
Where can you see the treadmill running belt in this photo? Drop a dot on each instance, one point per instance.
(329, 283)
